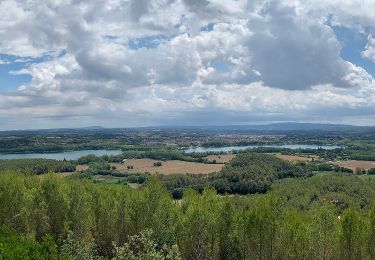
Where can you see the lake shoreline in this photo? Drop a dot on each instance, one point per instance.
(67, 155)
(253, 147)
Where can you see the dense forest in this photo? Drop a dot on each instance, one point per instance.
(257, 207)
(36, 166)
(54, 217)
(247, 173)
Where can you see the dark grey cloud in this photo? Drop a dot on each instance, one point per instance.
(197, 5)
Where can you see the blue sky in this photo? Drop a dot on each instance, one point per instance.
(9, 64)
(353, 43)
(8, 80)
(189, 62)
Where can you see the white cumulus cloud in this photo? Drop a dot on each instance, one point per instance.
(137, 62)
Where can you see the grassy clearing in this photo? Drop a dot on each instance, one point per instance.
(167, 167)
(294, 158)
(223, 158)
(354, 164)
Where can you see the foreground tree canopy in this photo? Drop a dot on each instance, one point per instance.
(51, 217)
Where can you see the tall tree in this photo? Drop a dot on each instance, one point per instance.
(352, 241)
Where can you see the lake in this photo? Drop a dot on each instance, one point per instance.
(71, 155)
(286, 146)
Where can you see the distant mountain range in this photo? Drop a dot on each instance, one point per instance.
(287, 126)
(300, 126)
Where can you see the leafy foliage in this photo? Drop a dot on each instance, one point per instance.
(142, 246)
(254, 172)
(291, 216)
(13, 246)
(338, 189)
(245, 174)
(36, 166)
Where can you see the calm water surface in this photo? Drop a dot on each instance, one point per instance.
(72, 155)
(231, 148)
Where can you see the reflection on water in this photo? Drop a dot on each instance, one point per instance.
(288, 146)
(72, 155)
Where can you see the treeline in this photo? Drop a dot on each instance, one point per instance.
(36, 166)
(362, 149)
(49, 141)
(80, 220)
(247, 173)
(339, 154)
(348, 153)
(324, 166)
(365, 156)
(123, 178)
(43, 145)
(160, 154)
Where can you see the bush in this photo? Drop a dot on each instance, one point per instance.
(13, 246)
(157, 164)
(360, 171)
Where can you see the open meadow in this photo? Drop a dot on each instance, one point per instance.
(167, 167)
(295, 158)
(355, 164)
(222, 158)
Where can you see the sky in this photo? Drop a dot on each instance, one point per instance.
(131, 63)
